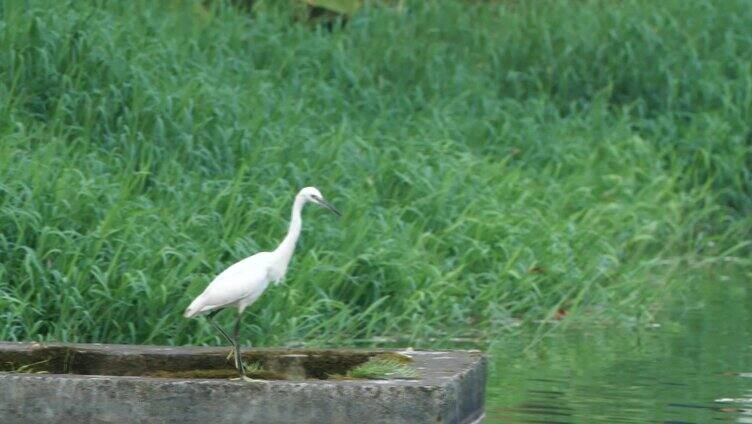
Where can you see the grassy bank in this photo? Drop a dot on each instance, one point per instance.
(494, 162)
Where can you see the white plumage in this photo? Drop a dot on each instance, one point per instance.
(237, 286)
(243, 282)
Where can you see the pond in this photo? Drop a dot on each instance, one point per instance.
(691, 364)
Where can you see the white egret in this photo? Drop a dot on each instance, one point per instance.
(243, 282)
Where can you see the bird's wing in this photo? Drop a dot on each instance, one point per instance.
(246, 278)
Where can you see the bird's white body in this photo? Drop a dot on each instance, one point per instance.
(244, 282)
(237, 286)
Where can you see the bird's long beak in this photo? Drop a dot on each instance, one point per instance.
(329, 206)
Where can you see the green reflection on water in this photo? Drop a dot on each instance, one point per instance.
(688, 367)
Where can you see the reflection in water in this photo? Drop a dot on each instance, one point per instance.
(696, 367)
(745, 414)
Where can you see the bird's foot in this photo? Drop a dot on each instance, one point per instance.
(248, 379)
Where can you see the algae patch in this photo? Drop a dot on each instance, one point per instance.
(392, 356)
(253, 370)
(218, 374)
(384, 366)
(283, 364)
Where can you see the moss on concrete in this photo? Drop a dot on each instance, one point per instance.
(282, 364)
(217, 374)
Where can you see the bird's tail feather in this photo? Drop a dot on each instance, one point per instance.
(194, 308)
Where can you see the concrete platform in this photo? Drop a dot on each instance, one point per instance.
(95, 383)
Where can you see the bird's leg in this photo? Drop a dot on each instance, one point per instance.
(236, 344)
(235, 351)
(223, 332)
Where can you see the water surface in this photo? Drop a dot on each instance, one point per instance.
(691, 363)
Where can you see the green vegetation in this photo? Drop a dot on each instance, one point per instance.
(382, 370)
(494, 162)
(26, 368)
(347, 7)
(383, 367)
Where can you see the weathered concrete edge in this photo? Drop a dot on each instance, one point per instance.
(468, 391)
(461, 361)
(458, 397)
(100, 399)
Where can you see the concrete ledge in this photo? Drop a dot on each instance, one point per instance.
(112, 384)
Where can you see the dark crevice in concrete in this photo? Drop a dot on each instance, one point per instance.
(268, 365)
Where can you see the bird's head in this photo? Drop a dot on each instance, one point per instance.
(313, 195)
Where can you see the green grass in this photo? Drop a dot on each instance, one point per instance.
(383, 367)
(494, 162)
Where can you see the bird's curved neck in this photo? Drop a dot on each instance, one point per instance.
(287, 246)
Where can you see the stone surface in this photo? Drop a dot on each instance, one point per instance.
(92, 383)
